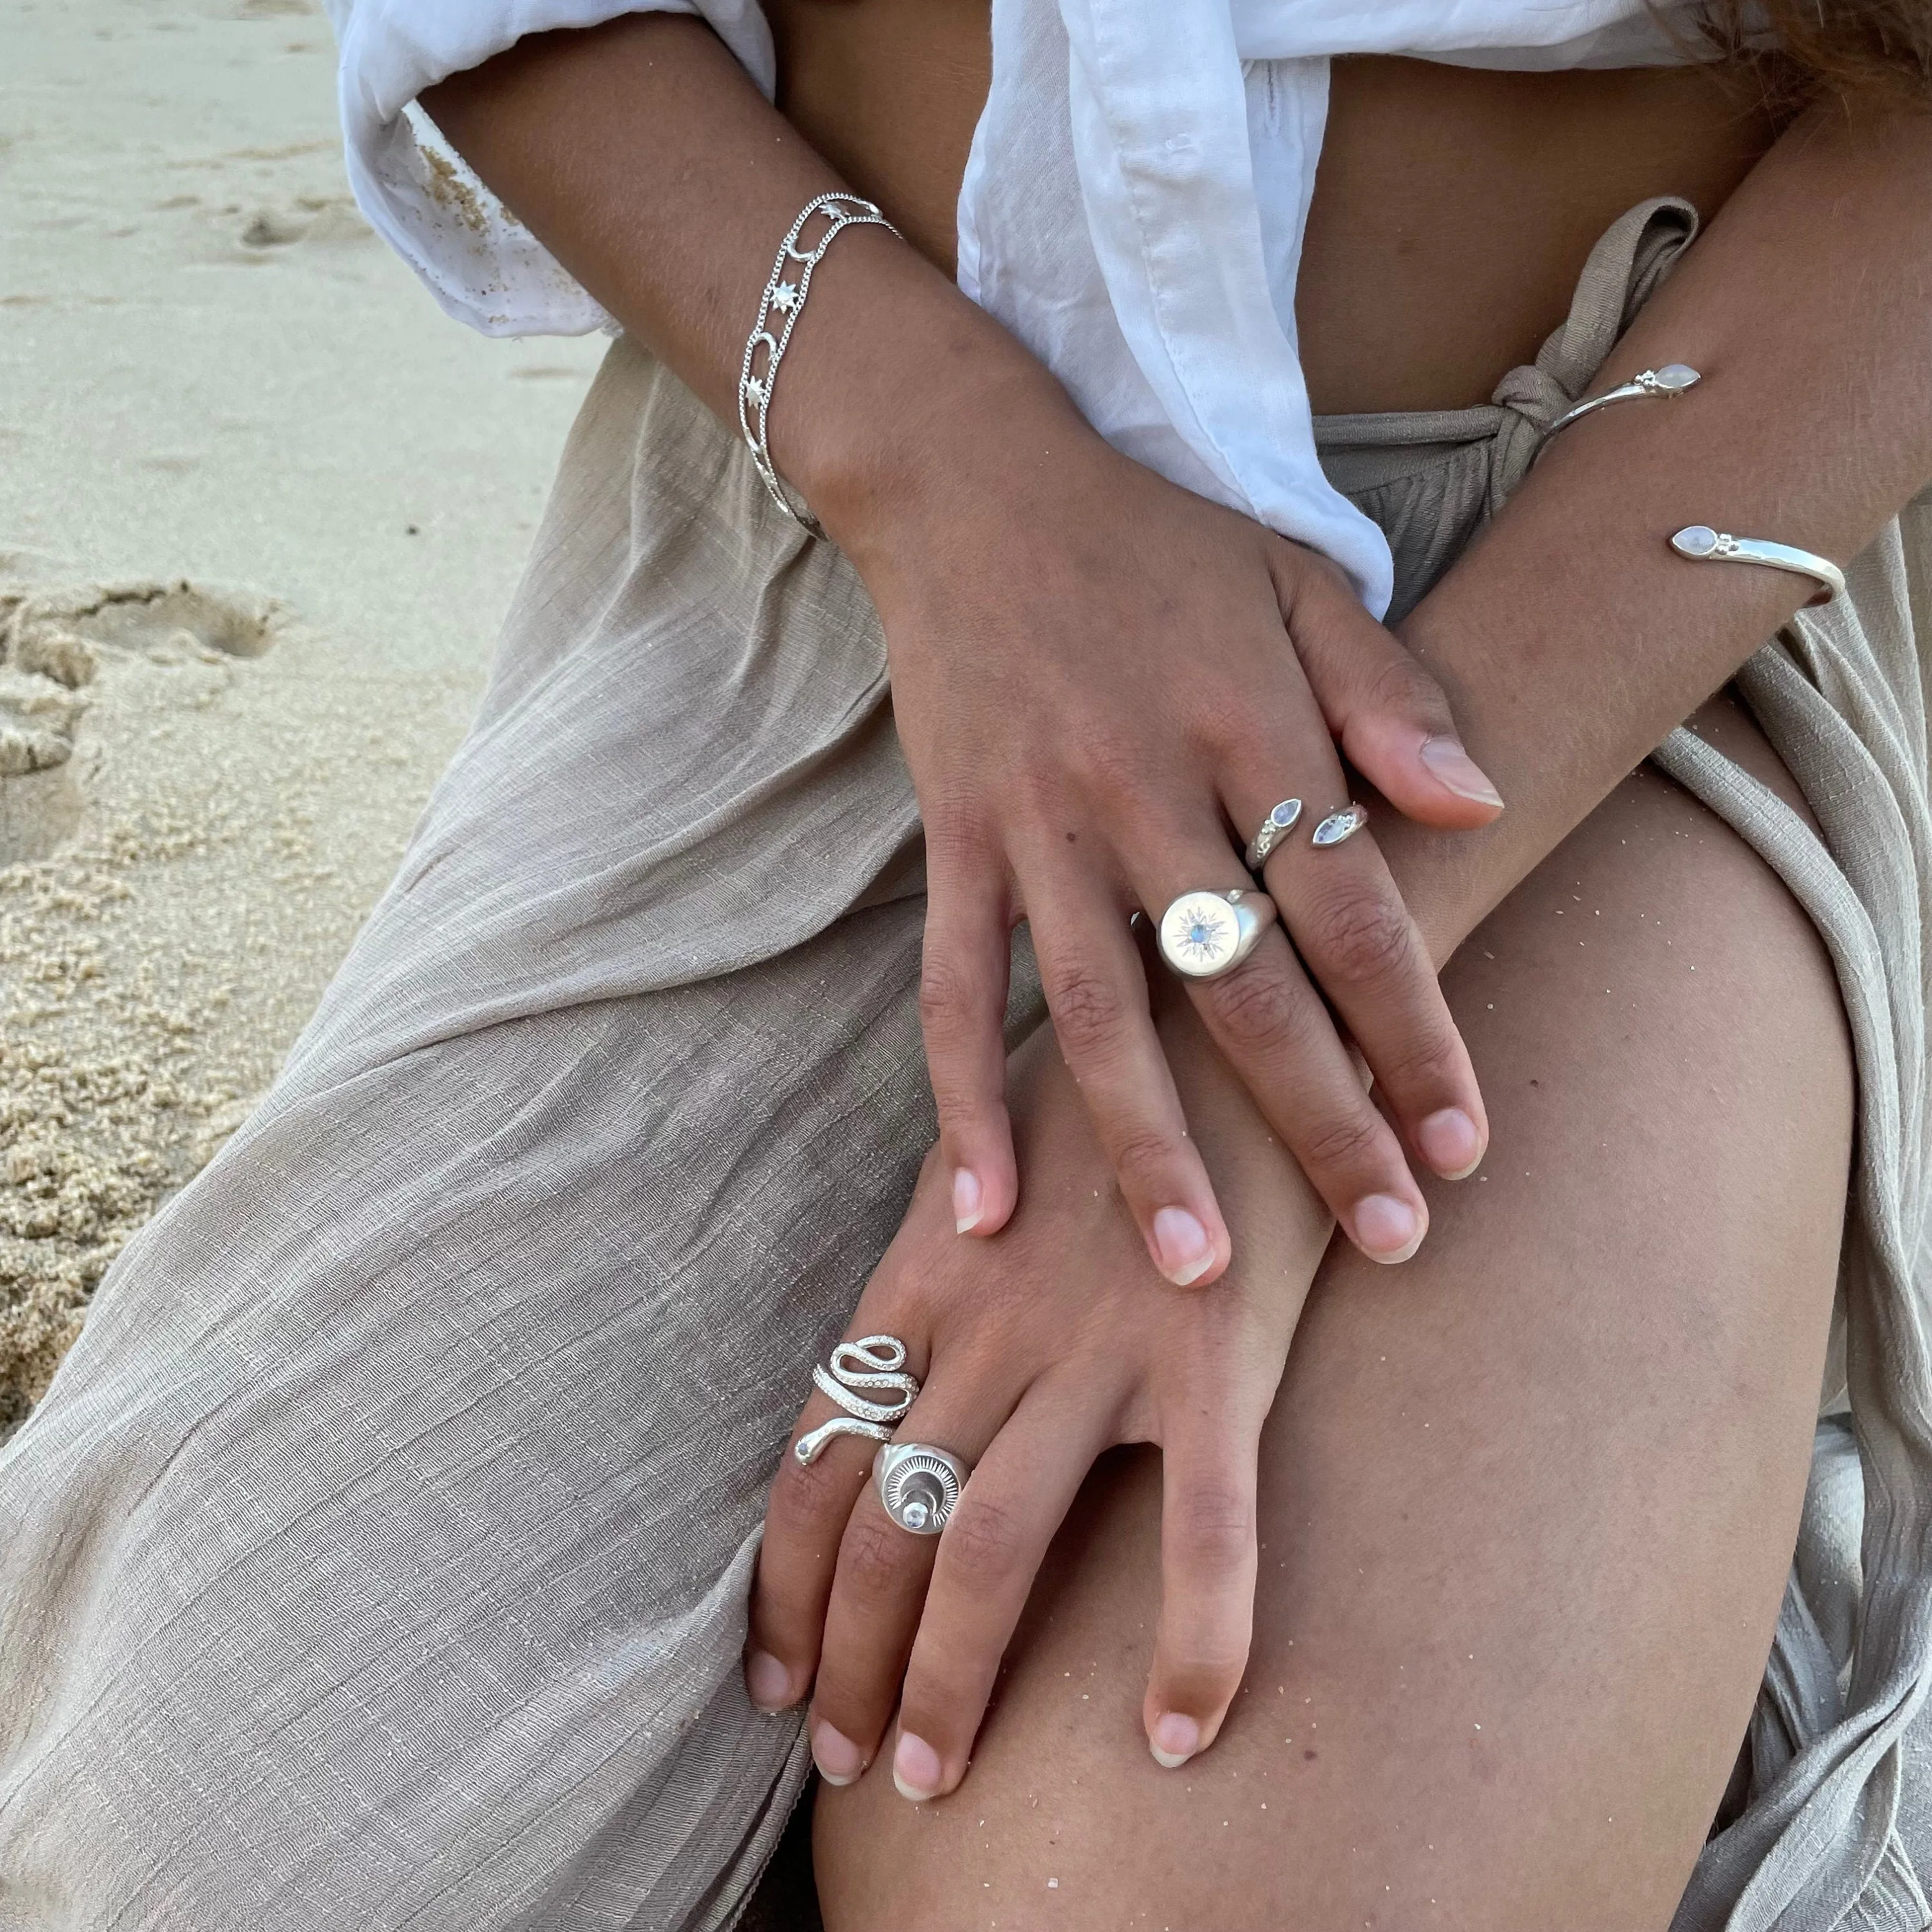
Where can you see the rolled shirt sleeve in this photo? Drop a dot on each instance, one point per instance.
(482, 265)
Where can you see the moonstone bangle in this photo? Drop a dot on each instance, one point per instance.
(779, 311)
(1701, 544)
(1672, 379)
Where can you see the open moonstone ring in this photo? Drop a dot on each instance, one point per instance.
(1204, 933)
(1275, 828)
(1339, 826)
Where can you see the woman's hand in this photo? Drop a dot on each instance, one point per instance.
(1103, 683)
(1038, 1352)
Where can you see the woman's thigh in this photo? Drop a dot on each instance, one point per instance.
(1528, 1503)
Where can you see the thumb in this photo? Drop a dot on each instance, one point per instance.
(1389, 715)
(1207, 1588)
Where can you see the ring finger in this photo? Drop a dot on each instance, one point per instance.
(1269, 1022)
(1097, 993)
(1346, 916)
(880, 1584)
(877, 1375)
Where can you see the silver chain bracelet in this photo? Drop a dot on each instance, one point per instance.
(784, 301)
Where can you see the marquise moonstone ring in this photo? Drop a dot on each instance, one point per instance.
(1339, 825)
(1278, 824)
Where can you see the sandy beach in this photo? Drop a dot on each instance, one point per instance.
(261, 509)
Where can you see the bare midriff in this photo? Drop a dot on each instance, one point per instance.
(1453, 208)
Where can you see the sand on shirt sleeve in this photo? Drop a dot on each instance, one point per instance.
(479, 262)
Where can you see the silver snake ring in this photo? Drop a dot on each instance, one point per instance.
(872, 1362)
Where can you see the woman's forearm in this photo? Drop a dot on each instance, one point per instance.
(1571, 639)
(657, 174)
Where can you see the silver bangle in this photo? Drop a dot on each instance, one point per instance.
(1701, 544)
(1672, 379)
(783, 298)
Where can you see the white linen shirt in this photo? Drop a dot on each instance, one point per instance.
(1132, 208)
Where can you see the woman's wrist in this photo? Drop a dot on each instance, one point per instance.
(902, 403)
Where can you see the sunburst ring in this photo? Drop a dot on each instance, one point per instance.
(1204, 933)
(919, 1484)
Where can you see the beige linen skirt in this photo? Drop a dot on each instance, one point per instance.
(378, 1557)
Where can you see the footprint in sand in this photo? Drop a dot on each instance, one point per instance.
(319, 220)
(53, 644)
(111, 979)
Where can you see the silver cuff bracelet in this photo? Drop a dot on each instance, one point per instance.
(1672, 379)
(1701, 544)
(779, 311)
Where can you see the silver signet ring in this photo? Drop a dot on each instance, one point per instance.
(1203, 934)
(919, 1485)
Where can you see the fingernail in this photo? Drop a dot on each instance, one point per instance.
(768, 1681)
(1186, 1252)
(1386, 1229)
(839, 1760)
(1455, 768)
(966, 1198)
(916, 1768)
(1449, 1143)
(1175, 1739)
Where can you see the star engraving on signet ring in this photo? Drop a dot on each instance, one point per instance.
(1204, 933)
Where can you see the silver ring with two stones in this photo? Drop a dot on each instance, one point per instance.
(1278, 824)
(1282, 820)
